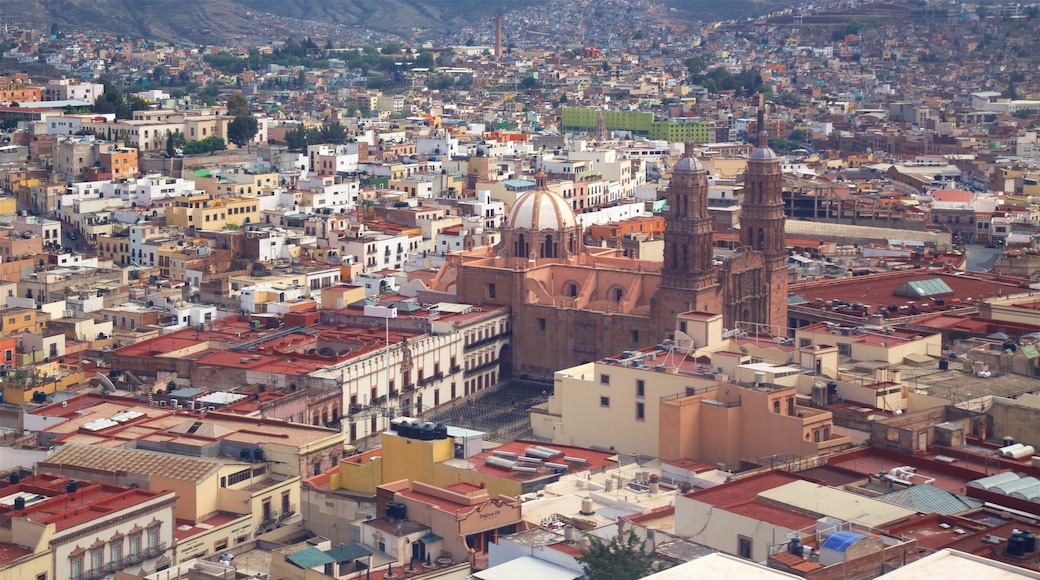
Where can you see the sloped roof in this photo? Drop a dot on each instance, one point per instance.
(348, 552)
(928, 499)
(310, 558)
(134, 461)
(922, 288)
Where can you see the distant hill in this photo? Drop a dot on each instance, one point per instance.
(210, 21)
(195, 20)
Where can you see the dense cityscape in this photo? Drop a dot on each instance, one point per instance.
(567, 290)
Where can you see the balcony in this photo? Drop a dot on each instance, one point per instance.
(487, 340)
(131, 560)
(431, 379)
(492, 364)
(455, 369)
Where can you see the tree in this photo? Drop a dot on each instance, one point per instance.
(296, 138)
(796, 135)
(789, 99)
(622, 558)
(207, 145)
(528, 82)
(425, 59)
(238, 105)
(332, 132)
(392, 48)
(696, 65)
(242, 129)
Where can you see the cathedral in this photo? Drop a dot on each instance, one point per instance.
(573, 303)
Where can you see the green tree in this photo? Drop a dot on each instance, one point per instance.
(796, 135)
(242, 129)
(789, 99)
(296, 138)
(622, 558)
(170, 148)
(528, 82)
(207, 145)
(425, 59)
(238, 105)
(696, 65)
(392, 48)
(332, 132)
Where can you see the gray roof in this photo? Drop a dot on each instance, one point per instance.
(763, 154)
(927, 499)
(689, 164)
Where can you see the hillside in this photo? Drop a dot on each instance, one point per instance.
(213, 21)
(174, 20)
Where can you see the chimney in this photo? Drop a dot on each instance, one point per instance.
(498, 37)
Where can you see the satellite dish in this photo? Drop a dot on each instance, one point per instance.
(106, 383)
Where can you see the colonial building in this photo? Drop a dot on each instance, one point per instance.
(572, 303)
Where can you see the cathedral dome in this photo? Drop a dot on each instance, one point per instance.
(688, 163)
(540, 209)
(763, 154)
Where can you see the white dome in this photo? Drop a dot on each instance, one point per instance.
(541, 209)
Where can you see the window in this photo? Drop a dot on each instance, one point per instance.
(640, 412)
(604, 379)
(239, 476)
(744, 547)
(220, 545)
(153, 538)
(135, 545)
(640, 388)
(604, 402)
(77, 568)
(541, 324)
(117, 552)
(845, 349)
(635, 336)
(491, 290)
(97, 559)
(776, 406)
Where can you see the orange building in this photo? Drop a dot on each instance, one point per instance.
(652, 225)
(120, 162)
(8, 349)
(20, 94)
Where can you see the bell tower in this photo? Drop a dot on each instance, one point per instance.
(762, 222)
(688, 278)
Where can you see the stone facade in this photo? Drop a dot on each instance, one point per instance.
(571, 305)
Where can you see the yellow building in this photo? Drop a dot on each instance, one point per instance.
(237, 182)
(48, 378)
(206, 213)
(19, 319)
(340, 296)
(8, 205)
